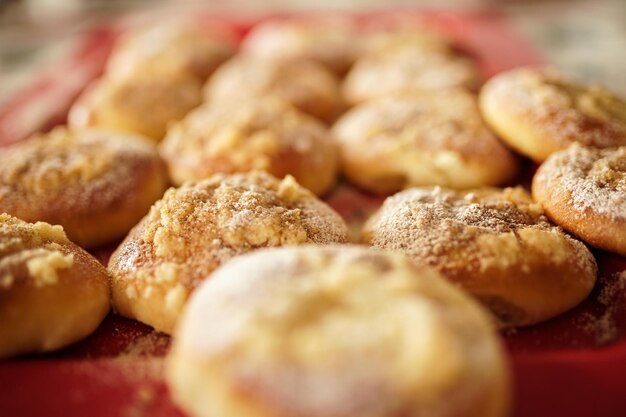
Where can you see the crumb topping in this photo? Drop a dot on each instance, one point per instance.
(43, 269)
(594, 179)
(198, 226)
(39, 248)
(473, 230)
(249, 137)
(66, 167)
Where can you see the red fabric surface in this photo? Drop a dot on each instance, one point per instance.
(570, 366)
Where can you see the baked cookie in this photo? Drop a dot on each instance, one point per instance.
(306, 85)
(174, 48)
(432, 138)
(329, 41)
(195, 228)
(539, 111)
(96, 184)
(143, 104)
(52, 293)
(405, 70)
(583, 190)
(403, 31)
(268, 135)
(335, 331)
(496, 244)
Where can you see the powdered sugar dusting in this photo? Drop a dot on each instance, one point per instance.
(595, 179)
(603, 326)
(198, 226)
(562, 110)
(76, 170)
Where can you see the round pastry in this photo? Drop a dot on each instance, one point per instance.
(496, 244)
(268, 135)
(539, 111)
(144, 104)
(583, 190)
(304, 84)
(401, 141)
(335, 331)
(52, 293)
(332, 42)
(96, 184)
(175, 48)
(403, 31)
(407, 69)
(195, 228)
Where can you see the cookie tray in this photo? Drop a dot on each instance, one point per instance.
(571, 366)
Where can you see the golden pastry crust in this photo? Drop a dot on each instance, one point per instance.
(306, 85)
(332, 42)
(52, 293)
(401, 141)
(197, 227)
(406, 69)
(171, 49)
(335, 331)
(144, 104)
(96, 184)
(267, 135)
(539, 112)
(496, 244)
(584, 191)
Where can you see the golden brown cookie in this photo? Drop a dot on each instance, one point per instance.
(199, 226)
(267, 135)
(405, 70)
(496, 244)
(306, 85)
(335, 331)
(52, 293)
(540, 111)
(96, 184)
(171, 48)
(143, 104)
(432, 138)
(583, 190)
(329, 41)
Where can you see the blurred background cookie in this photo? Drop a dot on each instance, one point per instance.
(335, 331)
(96, 184)
(268, 134)
(52, 293)
(331, 41)
(199, 226)
(496, 244)
(142, 104)
(584, 190)
(180, 47)
(407, 69)
(305, 84)
(538, 111)
(431, 138)
(401, 30)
